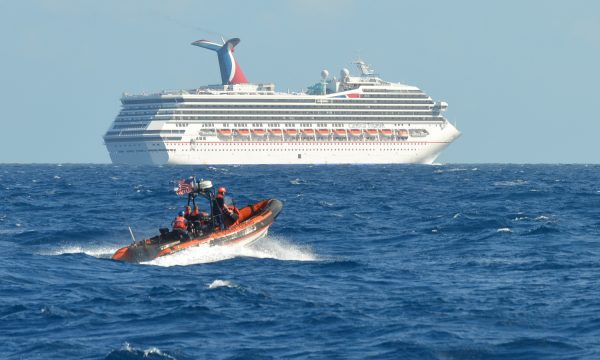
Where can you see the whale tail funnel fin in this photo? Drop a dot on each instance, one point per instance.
(231, 72)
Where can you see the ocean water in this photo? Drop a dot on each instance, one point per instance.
(380, 262)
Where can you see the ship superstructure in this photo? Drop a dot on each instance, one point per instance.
(353, 119)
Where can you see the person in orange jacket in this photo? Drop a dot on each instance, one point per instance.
(180, 225)
(229, 213)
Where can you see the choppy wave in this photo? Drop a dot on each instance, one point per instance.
(128, 352)
(444, 262)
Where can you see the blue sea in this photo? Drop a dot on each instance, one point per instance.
(364, 262)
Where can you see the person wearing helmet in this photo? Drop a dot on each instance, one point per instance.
(221, 197)
(180, 225)
(230, 216)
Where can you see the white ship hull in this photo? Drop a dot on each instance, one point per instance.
(411, 151)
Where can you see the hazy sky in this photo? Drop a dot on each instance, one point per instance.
(522, 78)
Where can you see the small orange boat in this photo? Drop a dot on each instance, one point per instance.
(253, 222)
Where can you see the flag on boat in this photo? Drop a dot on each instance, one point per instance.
(184, 186)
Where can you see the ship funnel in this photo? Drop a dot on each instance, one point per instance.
(231, 72)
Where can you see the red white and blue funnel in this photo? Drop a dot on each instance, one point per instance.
(231, 72)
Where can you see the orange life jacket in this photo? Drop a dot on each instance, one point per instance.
(179, 223)
(196, 212)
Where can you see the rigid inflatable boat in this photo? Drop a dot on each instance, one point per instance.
(252, 223)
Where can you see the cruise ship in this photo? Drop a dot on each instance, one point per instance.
(347, 120)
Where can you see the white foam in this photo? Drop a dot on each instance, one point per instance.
(506, 230)
(517, 182)
(266, 248)
(297, 181)
(95, 251)
(221, 283)
(150, 351)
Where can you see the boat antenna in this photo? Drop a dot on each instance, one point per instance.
(131, 233)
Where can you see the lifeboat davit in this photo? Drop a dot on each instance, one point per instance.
(252, 223)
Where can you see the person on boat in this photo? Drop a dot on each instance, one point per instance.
(230, 215)
(180, 225)
(195, 220)
(188, 212)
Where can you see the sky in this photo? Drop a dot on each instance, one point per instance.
(521, 77)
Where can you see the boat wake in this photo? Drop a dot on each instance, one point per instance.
(104, 252)
(270, 247)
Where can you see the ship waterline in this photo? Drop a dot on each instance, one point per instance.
(356, 119)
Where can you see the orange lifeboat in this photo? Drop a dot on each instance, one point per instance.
(291, 132)
(340, 132)
(372, 132)
(309, 132)
(243, 132)
(224, 132)
(386, 132)
(259, 132)
(323, 132)
(403, 133)
(276, 132)
(355, 132)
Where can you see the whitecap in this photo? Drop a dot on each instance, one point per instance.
(511, 182)
(221, 283)
(506, 230)
(56, 177)
(326, 203)
(152, 352)
(541, 218)
(297, 181)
